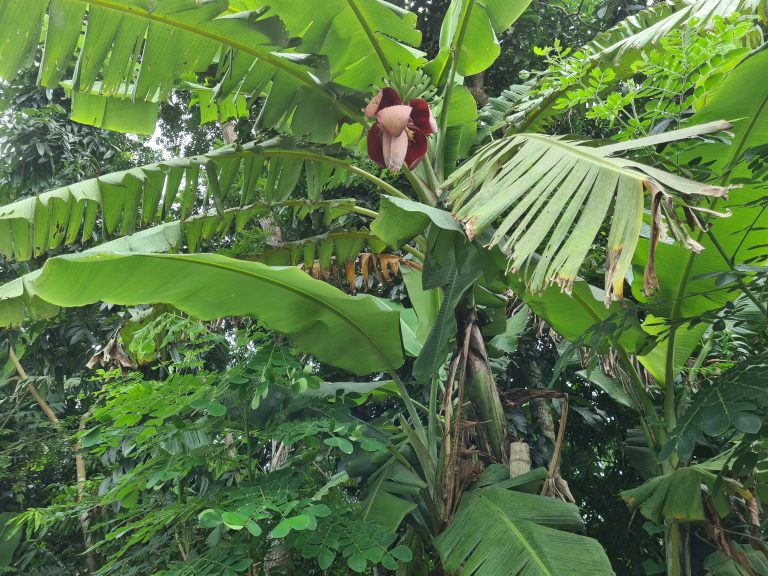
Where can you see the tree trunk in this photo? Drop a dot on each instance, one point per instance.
(476, 85)
(85, 517)
(484, 395)
(540, 408)
(274, 561)
(80, 469)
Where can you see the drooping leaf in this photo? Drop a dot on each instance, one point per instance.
(353, 333)
(112, 113)
(17, 304)
(123, 201)
(679, 495)
(400, 220)
(553, 196)
(500, 532)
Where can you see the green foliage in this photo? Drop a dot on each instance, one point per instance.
(498, 530)
(573, 185)
(533, 103)
(732, 402)
(681, 495)
(690, 61)
(42, 149)
(286, 294)
(360, 544)
(173, 482)
(234, 449)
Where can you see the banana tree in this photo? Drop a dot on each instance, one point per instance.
(476, 219)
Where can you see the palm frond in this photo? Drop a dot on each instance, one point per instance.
(136, 51)
(554, 194)
(647, 27)
(17, 303)
(501, 532)
(120, 202)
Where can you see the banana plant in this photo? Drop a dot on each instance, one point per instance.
(479, 219)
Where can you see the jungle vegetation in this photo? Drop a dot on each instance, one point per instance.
(418, 288)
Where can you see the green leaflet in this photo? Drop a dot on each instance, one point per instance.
(736, 99)
(233, 106)
(527, 106)
(734, 401)
(353, 333)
